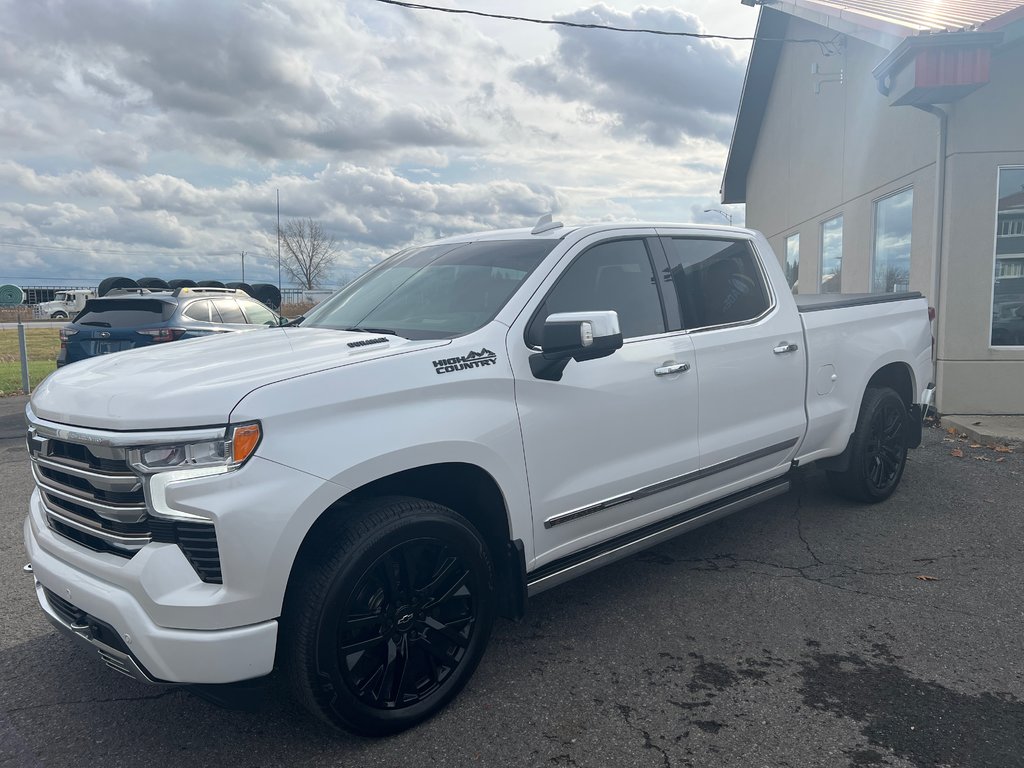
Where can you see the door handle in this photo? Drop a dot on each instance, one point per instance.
(785, 347)
(668, 370)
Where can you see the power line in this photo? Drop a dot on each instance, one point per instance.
(108, 252)
(823, 44)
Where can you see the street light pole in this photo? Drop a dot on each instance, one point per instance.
(243, 266)
(720, 212)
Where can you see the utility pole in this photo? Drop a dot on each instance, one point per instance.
(243, 266)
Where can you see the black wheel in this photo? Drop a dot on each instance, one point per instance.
(878, 448)
(59, 316)
(389, 617)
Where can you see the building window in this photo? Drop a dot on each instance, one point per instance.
(1008, 278)
(832, 255)
(893, 225)
(792, 264)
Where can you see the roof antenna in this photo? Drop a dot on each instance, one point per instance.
(544, 224)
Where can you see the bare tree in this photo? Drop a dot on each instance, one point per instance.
(307, 252)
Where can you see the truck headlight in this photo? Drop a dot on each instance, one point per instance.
(227, 453)
(163, 465)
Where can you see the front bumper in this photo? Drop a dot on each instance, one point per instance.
(112, 622)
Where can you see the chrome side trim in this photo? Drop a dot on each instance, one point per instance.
(88, 436)
(553, 577)
(665, 485)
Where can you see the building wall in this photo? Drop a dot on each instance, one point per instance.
(841, 150)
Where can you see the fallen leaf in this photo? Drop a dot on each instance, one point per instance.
(982, 458)
(1000, 459)
(951, 430)
(975, 445)
(1003, 449)
(926, 578)
(957, 452)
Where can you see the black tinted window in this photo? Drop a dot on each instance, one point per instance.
(124, 313)
(229, 311)
(198, 310)
(715, 282)
(615, 275)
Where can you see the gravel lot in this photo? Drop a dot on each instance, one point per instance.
(797, 633)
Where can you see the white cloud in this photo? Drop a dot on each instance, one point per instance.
(163, 131)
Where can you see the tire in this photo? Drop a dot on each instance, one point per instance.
(59, 316)
(210, 284)
(384, 579)
(153, 283)
(267, 294)
(244, 287)
(878, 449)
(108, 284)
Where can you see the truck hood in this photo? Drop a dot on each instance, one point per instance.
(198, 382)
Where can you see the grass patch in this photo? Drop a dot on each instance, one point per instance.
(42, 344)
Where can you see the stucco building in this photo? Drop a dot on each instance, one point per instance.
(880, 147)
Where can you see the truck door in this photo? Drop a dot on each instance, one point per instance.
(604, 443)
(750, 361)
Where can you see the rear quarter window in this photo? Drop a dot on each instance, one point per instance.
(124, 313)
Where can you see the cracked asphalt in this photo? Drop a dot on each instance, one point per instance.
(796, 633)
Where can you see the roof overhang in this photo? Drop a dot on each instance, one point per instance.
(757, 86)
(936, 69)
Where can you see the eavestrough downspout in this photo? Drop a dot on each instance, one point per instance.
(940, 209)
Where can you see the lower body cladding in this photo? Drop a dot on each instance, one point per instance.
(151, 615)
(111, 622)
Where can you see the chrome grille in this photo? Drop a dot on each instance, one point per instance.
(90, 495)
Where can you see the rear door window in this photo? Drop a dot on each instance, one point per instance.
(715, 282)
(229, 311)
(124, 313)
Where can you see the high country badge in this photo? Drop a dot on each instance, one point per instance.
(473, 360)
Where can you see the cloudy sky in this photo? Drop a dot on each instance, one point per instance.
(151, 138)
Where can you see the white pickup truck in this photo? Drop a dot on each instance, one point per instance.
(355, 498)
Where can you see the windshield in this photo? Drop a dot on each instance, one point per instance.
(433, 292)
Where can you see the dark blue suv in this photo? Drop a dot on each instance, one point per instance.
(136, 317)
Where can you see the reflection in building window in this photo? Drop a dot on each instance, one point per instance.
(832, 255)
(1008, 279)
(893, 224)
(792, 265)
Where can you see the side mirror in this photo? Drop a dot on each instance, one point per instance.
(575, 336)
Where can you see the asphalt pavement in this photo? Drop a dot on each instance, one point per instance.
(807, 631)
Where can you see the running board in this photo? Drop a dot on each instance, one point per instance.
(592, 558)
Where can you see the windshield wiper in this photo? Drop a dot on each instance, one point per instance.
(363, 329)
(97, 323)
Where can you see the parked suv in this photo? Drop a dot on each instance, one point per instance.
(137, 317)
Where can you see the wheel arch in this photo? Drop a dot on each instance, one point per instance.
(466, 488)
(897, 376)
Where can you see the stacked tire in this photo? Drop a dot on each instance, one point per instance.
(263, 292)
